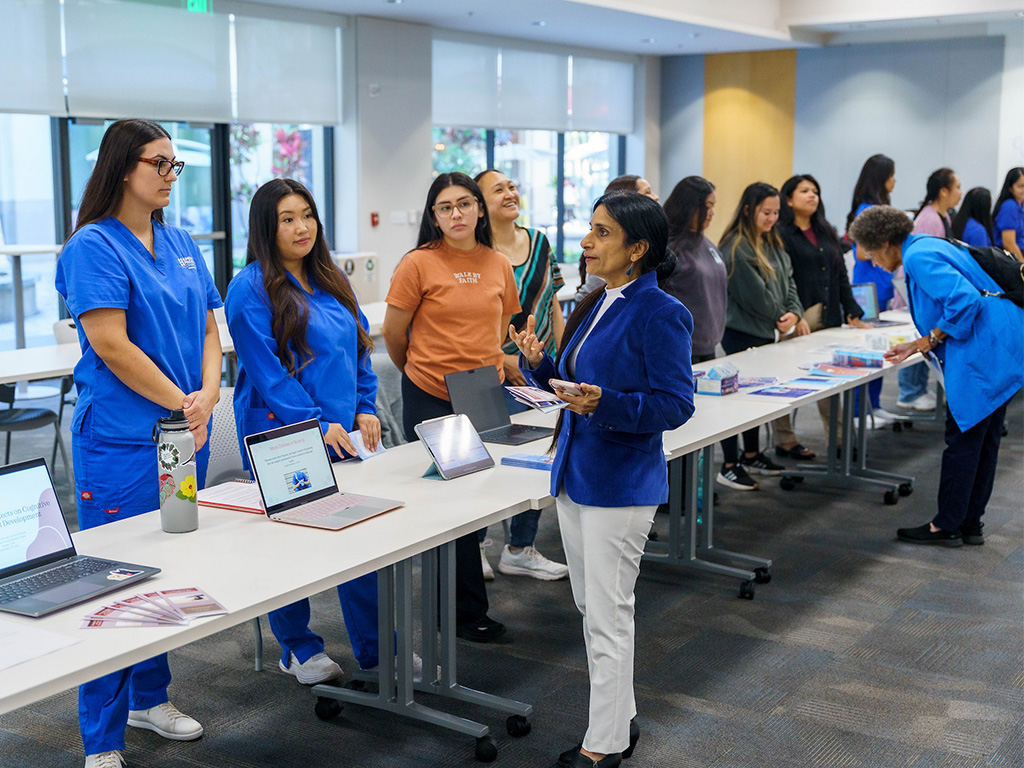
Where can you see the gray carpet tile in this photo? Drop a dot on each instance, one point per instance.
(862, 652)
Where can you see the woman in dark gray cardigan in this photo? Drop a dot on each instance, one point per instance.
(762, 300)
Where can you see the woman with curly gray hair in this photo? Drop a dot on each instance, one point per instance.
(977, 339)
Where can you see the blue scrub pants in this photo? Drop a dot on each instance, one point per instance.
(874, 396)
(913, 382)
(114, 481)
(968, 470)
(358, 598)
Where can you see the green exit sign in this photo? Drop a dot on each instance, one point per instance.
(197, 6)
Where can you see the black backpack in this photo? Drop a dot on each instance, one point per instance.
(1001, 267)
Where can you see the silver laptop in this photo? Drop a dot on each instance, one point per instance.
(40, 571)
(478, 394)
(297, 483)
(866, 295)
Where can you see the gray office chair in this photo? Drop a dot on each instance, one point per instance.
(24, 419)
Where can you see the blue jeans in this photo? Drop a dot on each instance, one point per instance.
(358, 599)
(522, 529)
(913, 382)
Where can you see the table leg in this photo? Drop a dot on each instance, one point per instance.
(19, 301)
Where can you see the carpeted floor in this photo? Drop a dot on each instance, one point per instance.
(862, 651)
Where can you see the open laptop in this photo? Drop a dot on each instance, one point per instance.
(866, 295)
(297, 483)
(40, 571)
(478, 394)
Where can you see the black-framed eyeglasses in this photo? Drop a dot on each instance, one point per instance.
(163, 167)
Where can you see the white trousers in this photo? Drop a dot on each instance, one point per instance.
(603, 547)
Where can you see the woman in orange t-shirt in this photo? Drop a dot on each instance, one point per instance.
(449, 307)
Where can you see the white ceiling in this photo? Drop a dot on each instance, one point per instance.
(674, 27)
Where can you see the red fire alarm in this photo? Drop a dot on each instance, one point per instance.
(374, 219)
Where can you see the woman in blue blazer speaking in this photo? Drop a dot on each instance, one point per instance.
(628, 346)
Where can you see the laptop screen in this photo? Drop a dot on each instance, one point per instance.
(291, 465)
(32, 528)
(478, 394)
(867, 296)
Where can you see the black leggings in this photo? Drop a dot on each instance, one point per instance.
(733, 342)
(470, 590)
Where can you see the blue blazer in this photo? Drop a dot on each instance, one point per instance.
(639, 354)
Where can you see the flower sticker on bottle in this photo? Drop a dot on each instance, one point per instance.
(187, 491)
(168, 455)
(166, 486)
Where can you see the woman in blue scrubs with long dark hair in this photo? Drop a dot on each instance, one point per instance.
(304, 353)
(143, 301)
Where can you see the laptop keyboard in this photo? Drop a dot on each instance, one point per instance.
(324, 507)
(54, 577)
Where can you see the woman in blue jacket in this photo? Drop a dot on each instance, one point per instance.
(143, 301)
(979, 342)
(628, 346)
(304, 353)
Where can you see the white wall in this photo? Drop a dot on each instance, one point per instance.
(682, 120)
(393, 138)
(925, 104)
(1011, 118)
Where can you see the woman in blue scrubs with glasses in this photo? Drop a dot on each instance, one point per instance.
(143, 301)
(304, 353)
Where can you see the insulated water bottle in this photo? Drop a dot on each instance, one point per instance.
(176, 470)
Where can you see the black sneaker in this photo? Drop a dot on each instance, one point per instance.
(923, 534)
(736, 477)
(761, 465)
(487, 630)
(971, 533)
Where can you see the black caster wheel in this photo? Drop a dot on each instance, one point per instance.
(746, 590)
(897, 426)
(327, 709)
(517, 726)
(356, 685)
(787, 483)
(761, 576)
(891, 497)
(486, 749)
(906, 489)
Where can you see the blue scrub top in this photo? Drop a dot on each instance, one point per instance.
(165, 300)
(333, 387)
(1010, 216)
(975, 234)
(867, 272)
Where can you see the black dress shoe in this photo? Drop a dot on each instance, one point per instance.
(923, 534)
(971, 533)
(634, 737)
(487, 630)
(614, 760)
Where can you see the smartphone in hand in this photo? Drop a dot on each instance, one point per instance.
(568, 387)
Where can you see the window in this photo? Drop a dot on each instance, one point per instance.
(532, 158)
(26, 218)
(264, 151)
(191, 206)
(460, 149)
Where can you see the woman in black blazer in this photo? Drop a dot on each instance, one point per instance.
(819, 269)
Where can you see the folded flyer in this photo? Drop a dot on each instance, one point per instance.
(537, 398)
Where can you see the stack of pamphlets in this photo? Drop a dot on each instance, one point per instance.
(240, 495)
(538, 399)
(164, 607)
(528, 460)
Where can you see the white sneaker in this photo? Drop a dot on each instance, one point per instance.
(417, 669)
(110, 759)
(318, 668)
(484, 563)
(925, 402)
(884, 415)
(166, 720)
(529, 562)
